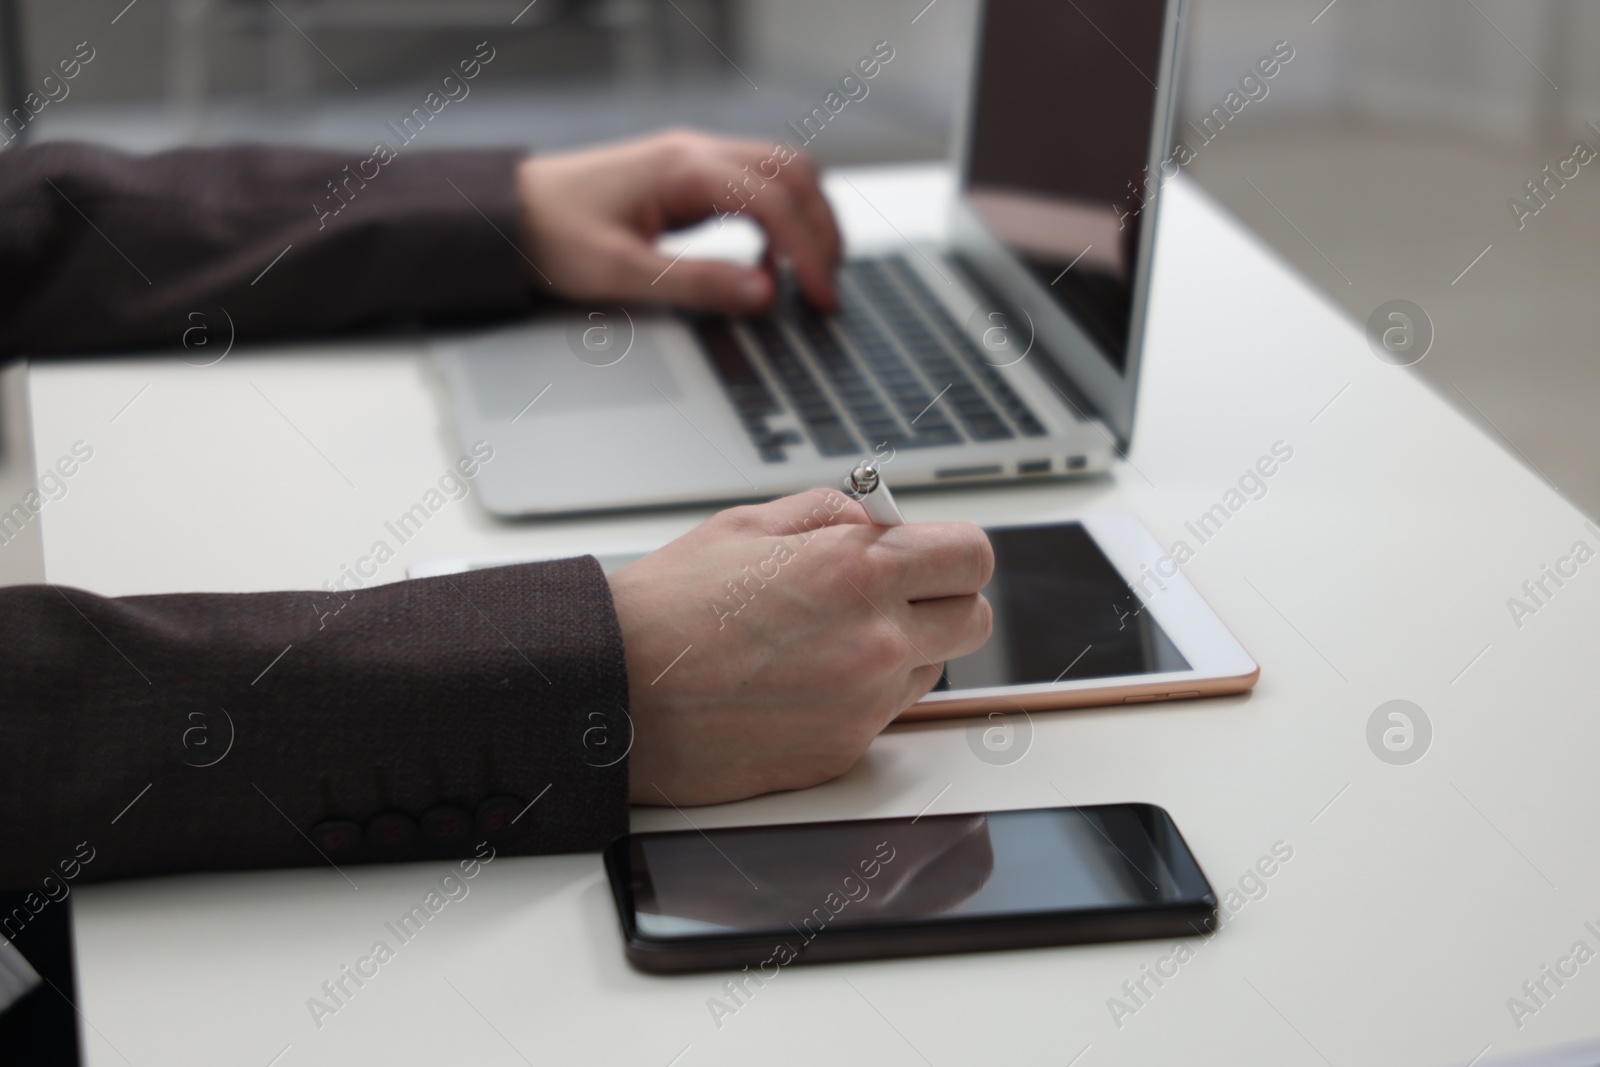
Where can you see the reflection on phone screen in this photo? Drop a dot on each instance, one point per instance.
(799, 879)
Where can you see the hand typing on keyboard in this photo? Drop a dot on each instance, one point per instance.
(591, 219)
(767, 647)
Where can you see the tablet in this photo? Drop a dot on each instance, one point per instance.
(1090, 612)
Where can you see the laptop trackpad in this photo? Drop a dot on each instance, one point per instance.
(533, 365)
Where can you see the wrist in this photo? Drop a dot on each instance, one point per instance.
(527, 183)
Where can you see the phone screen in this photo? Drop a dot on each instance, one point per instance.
(784, 880)
(1062, 612)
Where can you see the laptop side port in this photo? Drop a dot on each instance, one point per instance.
(1076, 463)
(986, 471)
(1034, 466)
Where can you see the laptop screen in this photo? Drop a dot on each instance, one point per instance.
(1063, 111)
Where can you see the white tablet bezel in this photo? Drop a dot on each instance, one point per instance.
(1220, 665)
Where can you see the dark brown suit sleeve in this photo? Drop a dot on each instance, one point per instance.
(151, 735)
(101, 250)
(410, 721)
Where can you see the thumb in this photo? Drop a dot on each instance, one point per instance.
(705, 284)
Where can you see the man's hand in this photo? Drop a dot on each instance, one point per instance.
(807, 630)
(590, 220)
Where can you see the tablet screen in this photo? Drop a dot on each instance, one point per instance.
(1062, 613)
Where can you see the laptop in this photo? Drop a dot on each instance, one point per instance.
(1011, 352)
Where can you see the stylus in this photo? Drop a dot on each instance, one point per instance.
(872, 492)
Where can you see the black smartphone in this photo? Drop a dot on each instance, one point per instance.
(766, 896)
(41, 1027)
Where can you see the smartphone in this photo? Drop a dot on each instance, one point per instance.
(1089, 612)
(763, 897)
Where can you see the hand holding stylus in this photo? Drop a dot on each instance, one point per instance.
(767, 647)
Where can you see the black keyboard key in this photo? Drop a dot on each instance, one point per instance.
(739, 376)
(974, 412)
(989, 428)
(822, 421)
(751, 398)
(904, 389)
(998, 386)
(866, 409)
(1030, 425)
(833, 439)
(872, 372)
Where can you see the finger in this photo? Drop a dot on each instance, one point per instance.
(642, 273)
(776, 209)
(723, 177)
(806, 512)
(938, 559)
(803, 181)
(949, 627)
(918, 685)
(711, 285)
(798, 172)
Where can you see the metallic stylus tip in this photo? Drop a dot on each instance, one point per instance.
(864, 479)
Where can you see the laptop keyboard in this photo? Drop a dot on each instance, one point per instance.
(901, 372)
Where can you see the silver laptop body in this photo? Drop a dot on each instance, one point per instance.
(1012, 353)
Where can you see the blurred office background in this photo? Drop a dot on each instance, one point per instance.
(1380, 163)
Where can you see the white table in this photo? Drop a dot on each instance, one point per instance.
(1419, 898)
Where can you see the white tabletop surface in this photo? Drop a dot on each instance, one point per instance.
(1418, 899)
